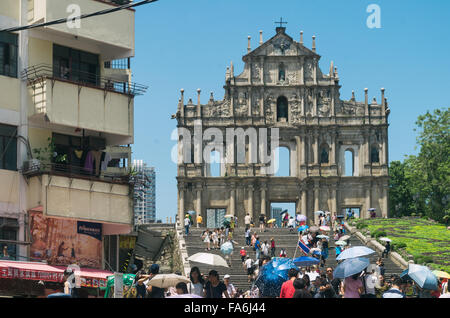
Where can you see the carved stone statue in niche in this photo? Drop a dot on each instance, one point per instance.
(295, 106)
(308, 69)
(281, 45)
(323, 104)
(268, 104)
(309, 103)
(256, 72)
(240, 108)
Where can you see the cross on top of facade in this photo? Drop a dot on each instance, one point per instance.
(280, 22)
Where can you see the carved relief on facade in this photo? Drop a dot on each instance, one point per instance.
(308, 102)
(256, 72)
(240, 106)
(268, 106)
(256, 101)
(295, 106)
(217, 109)
(308, 67)
(323, 103)
(292, 77)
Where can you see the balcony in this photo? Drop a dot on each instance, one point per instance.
(113, 34)
(68, 192)
(81, 100)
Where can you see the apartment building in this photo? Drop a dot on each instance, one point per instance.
(144, 193)
(66, 126)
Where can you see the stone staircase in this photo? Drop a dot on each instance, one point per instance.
(283, 239)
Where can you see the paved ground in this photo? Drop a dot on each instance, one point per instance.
(283, 239)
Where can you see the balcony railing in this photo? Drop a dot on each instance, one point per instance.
(65, 170)
(38, 72)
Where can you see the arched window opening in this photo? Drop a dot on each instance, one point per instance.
(215, 164)
(282, 109)
(281, 73)
(324, 154)
(374, 154)
(349, 163)
(282, 162)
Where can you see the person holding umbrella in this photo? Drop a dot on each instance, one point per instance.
(387, 249)
(353, 286)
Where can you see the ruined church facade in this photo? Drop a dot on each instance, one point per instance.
(283, 87)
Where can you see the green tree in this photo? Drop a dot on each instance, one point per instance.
(421, 184)
(432, 165)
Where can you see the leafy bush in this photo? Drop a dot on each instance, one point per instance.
(360, 226)
(397, 246)
(423, 259)
(378, 233)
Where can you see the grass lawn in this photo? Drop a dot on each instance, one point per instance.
(427, 241)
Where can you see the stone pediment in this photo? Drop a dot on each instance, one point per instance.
(281, 45)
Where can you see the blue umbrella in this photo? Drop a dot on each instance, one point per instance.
(422, 276)
(351, 267)
(305, 261)
(273, 275)
(226, 248)
(356, 251)
(191, 212)
(302, 228)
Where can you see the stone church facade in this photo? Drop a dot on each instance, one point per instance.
(283, 87)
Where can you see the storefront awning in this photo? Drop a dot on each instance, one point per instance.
(49, 273)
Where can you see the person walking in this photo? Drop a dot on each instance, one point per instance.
(262, 222)
(287, 289)
(324, 255)
(214, 288)
(265, 249)
(370, 280)
(387, 249)
(247, 236)
(300, 289)
(272, 247)
(197, 284)
(206, 239)
(353, 286)
(230, 287)
(395, 290)
(187, 224)
(199, 221)
(243, 254)
(257, 248)
(248, 264)
(291, 224)
(247, 220)
(325, 290)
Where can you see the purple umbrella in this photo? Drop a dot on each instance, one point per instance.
(185, 296)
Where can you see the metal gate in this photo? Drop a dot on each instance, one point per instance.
(215, 218)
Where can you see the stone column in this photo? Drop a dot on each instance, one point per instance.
(299, 151)
(261, 104)
(302, 150)
(316, 147)
(181, 203)
(368, 201)
(333, 148)
(315, 70)
(304, 205)
(263, 199)
(232, 102)
(366, 150)
(315, 110)
(250, 201)
(302, 74)
(249, 102)
(232, 199)
(316, 197)
(384, 208)
(333, 199)
(199, 200)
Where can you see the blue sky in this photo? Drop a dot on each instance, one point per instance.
(188, 44)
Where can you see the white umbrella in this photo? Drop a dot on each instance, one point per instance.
(385, 239)
(167, 280)
(208, 258)
(343, 243)
(319, 212)
(229, 216)
(344, 238)
(324, 228)
(323, 236)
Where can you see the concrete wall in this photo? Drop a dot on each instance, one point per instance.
(81, 199)
(9, 186)
(116, 29)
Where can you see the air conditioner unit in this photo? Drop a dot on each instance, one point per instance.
(31, 166)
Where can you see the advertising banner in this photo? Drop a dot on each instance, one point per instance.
(65, 242)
